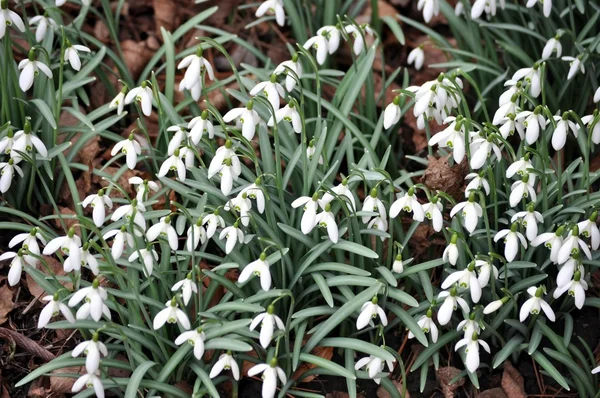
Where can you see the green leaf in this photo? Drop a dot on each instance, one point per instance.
(206, 381)
(137, 377)
(326, 364)
(355, 248)
(220, 343)
(357, 345)
(511, 346)
(388, 276)
(552, 371)
(45, 111)
(433, 348)
(409, 322)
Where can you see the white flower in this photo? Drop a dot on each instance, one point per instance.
(174, 163)
(144, 187)
(241, 206)
(520, 167)
(98, 201)
(212, 221)
(196, 65)
(481, 149)
(429, 7)
(93, 297)
(93, 350)
(285, 67)
(358, 33)
(494, 305)
(25, 141)
(563, 125)
(195, 338)
(7, 142)
(369, 311)
(227, 165)
(131, 148)
(427, 326)
(268, 321)
(590, 121)
(7, 18)
(270, 374)
(511, 241)
(532, 76)
(309, 218)
(343, 191)
(16, 266)
(121, 238)
(477, 182)
(552, 240)
(246, 117)
(258, 268)
(136, 210)
(470, 210)
(51, 309)
(552, 45)
(597, 96)
(380, 224)
(571, 246)
(288, 113)
(408, 203)
(398, 265)
(392, 113)
(311, 150)
(7, 171)
(165, 230)
(148, 256)
(596, 370)
(233, 234)
(433, 212)
(576, 289)
(30, 68)
(575, 65)
(529, 218)
(472, 350)
(533, 123)
(469, 326)
(451, 251)
(196, 234)
(466, 279)
(89, 380)
(68, 244)
(522, 189)
(589, 229)
(374, 366)
(459, 9)
(417, 57)
(43, 22)
(226, 362)
(451, 137)
(29, 243)
(326, 219)
(119, 101)
(200, 125)
(451, 303)
(142, 95)
(275, 7)
(187, 286)
(171, 314)
(72, 54)
(327, 40)
(271, 90)
(568, 269)
(179, 138)
(87, 259)
(373, 204)
(536, 303)
(485, 269)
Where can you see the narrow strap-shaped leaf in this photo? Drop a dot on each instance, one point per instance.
(136, 378)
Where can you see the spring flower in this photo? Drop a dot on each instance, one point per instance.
(552, 240)
(98, 201)
(575, 65)
(7, 171)
(470, 210)
(72, 54)
(195, 338)
(495, 305)
(535, 303)
(451, 251)
(429, 8)
(288, 113)
(417, 57)
(246, 117)
(408, 203)
(472, 350)
(93, 350)
(25, 141)
(511, 241)
(563, 125)
(196, 65)
(357, 33)
(30, 68)
(533, 123)
(270, 374)
(253, 191)
(485, 269)
(258, 268)
(433, 212)
(271, 90)
(163, 229)
(7, 142)
(51, 309)
(199, 126)
(469, 326)
(171, 314)
(121, 238)
(522, 189)
(392, 113)
(119, 101)
(596, 370)
(343, 191)
(552, 45)
(477, 182)
(212, 221)
(326, 219)
(369, 311)
(227, 165)
(451, 303)
(571, 246)
(174, 163)
(142, 95)
(68, 244)
(285, 67)
(179, 138)
(275, 7)
(532, 76)
(187, 287)
(576, 289)
(268, 321)
(427, 326)
(466, 279)
(459, 9)
(94, 297)
(520, 167)
(327, 40)
(451, 137)
(196, 234)
(16, 266)
(481, 149)
(43, 22)
(134, 210)
(8, 17)
(589, 229)
(565, 275)
(225, 362)
(597, 95)
(144, 187)
(373, 365)
(310, 206)
(529, 218)
(148, 257)
(398, 265)
(232, 234)
(87, 259)
(311, 150)
(29, 242)
(592, 123)
(131, 148)
(89, 380)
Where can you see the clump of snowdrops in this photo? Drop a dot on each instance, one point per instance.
(303, 197)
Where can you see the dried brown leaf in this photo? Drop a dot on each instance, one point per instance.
(513, 383)
(55, 267)
(136, 55)
(493, 393)
(27, 344)
(61, 384)
(444, 376)
(6, 302)
(440, 176)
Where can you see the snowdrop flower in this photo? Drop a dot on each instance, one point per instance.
(121, 238)
(225, 362)
(575, 66)
(481, 149)
(495, 305)
(196, 234)
(131, 148)
(451, 303)
(529, 218)
(165, 230)
(532, 76)
(271, 90)
(285, 67)
(72, 54)
(195, 338)
(597, 95)
(469, 326)
(567, 271)
(309, 218)
(30, 68)
(174, 163)
(535, 303)
(43, 22)
(29, 243)
(187, 286)
(327, 40)
(522, 189)
(199, 126)
(246, 117)
(427, 326)
(466, 279)
(196, 65)
(179, 138)
(392, 113)
(398, 265)
(51, 309)
(142, 95)
(288, 113)
(477, 182)
(270, 374)
(119, 101)
(268, 321)
(563, 125)
(89, 380)
(510, 124)
(227, 165)
(133, 210)
(589, 229)
(533, 123)
(68, 244)
(373, 204)
(511, 241)
(552, 240)
(576, 289)
(7, 171)
(275, 7)
(552, 45)
(311, 150)
(417, 57)
(408, 203)
(342, 191)
(98, 201)
(357, 34)
(93, 350)
(596, 370)
(148, 256)
(571, 246)
(485, 269)
(369, 311)
(472, 350)
(451, 137)
(470, 210)
(212, 221)
(509, 108)
(451, 251)
(255, 192)
(232, 234)
(171, 314)
(16, 266)
(258, 268)
(373, 366)
(433, 212)
(592, 123)
(25, 141)
(87, 259)
(326, 219)
(7, 142)
(93, 297)
(520, 167)
(429, 8)
(8, 17)
(144, 187)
